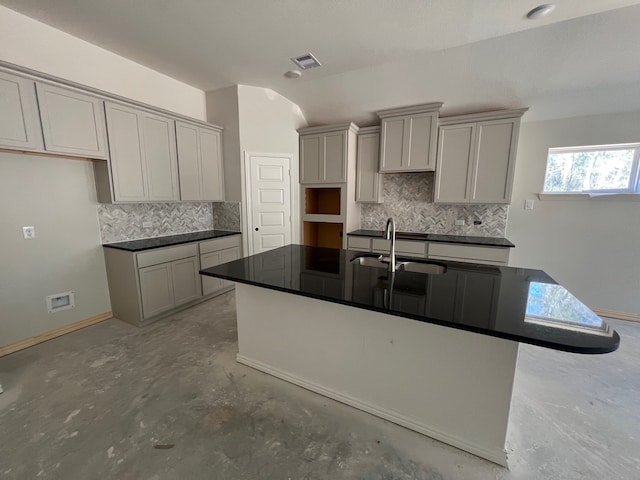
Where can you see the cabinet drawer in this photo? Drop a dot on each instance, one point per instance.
(415, 249)
(359, 243)
(169, 254)
(469, 253)
(219, 244)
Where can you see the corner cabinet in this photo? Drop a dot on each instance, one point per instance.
(408, 138)
(324, 153)
(476, 157)
(19, 121)
(368, 180)
(72, 122)
(200, 162)
(144, 164)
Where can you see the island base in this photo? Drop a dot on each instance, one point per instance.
(449, 384)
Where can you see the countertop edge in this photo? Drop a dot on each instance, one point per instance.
(214, 234)
(437, 238)
(457, 326)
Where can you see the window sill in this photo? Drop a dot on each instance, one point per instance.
(624, 197)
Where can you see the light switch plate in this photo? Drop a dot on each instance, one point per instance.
(147, 224)
(29, 232)
(528, 204)
(459, 222)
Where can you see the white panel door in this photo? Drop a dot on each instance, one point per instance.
(19, 122)
(270, 215)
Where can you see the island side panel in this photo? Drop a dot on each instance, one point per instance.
(449, 384)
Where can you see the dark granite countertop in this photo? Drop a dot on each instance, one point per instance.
(159, 242)
(518, 304)
(435, 237)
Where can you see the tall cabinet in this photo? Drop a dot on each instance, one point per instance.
(476, 157)
(328, 177)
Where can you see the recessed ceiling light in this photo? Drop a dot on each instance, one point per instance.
(541, 11)
(306, 61)
(293, 74)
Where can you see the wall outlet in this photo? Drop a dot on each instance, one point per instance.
(459, 223)
(29, 232)
(147, 224)
(477, 222)
(369, 220)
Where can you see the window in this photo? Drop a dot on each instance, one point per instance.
(606, 169)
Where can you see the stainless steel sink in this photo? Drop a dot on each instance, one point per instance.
(427, 268)
(422, 267)
(370, 262)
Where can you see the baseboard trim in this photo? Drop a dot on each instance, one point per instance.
(496, 456)
(630, 317)
(43, 337)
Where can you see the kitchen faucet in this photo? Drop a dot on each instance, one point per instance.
(390, 234)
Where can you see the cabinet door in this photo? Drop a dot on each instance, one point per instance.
(455, 154)
(128, 169)
(188, 140)
(19, 122)
(392, 144)
(333, 165)
(161, 160)
(494, 161)
(72, 122)
(229, 255)
(156, 289)
(212, 174)
(368, 180)
(422, 131)
(210, 284)
(186, 281)
(310, 158)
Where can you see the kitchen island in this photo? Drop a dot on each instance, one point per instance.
(435, 352)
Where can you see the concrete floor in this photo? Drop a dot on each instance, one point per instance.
(169, 402)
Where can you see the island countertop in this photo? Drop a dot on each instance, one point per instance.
(523, 305)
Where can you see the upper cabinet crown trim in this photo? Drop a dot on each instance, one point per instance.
(483, 116)
(369, 130)
(422, 108)
(41, 77)
(329, 128)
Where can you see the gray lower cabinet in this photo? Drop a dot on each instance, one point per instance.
(72, 122)
(215, 252)
(19, 122)
(145, 286)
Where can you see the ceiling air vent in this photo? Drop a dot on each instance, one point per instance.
(306, 61)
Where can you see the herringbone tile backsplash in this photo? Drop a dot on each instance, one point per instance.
(124, 222)
(226, 215)
(408, 198)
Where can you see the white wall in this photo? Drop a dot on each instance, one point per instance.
(57, 196)
(590, 246)
(29, 43)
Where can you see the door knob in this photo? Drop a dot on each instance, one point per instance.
(257, 229)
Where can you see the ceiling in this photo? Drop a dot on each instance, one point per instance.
(471, 54)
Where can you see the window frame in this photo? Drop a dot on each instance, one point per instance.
(634, 176)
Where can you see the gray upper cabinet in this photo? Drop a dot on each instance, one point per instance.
(200, 163)
(144, 164)
(72, 122)
(408, 138)
(476, 159)
(324, 153)
(19, 121)
(368, 180)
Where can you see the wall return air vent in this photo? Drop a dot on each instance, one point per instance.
(306, 61)
(61, 301)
